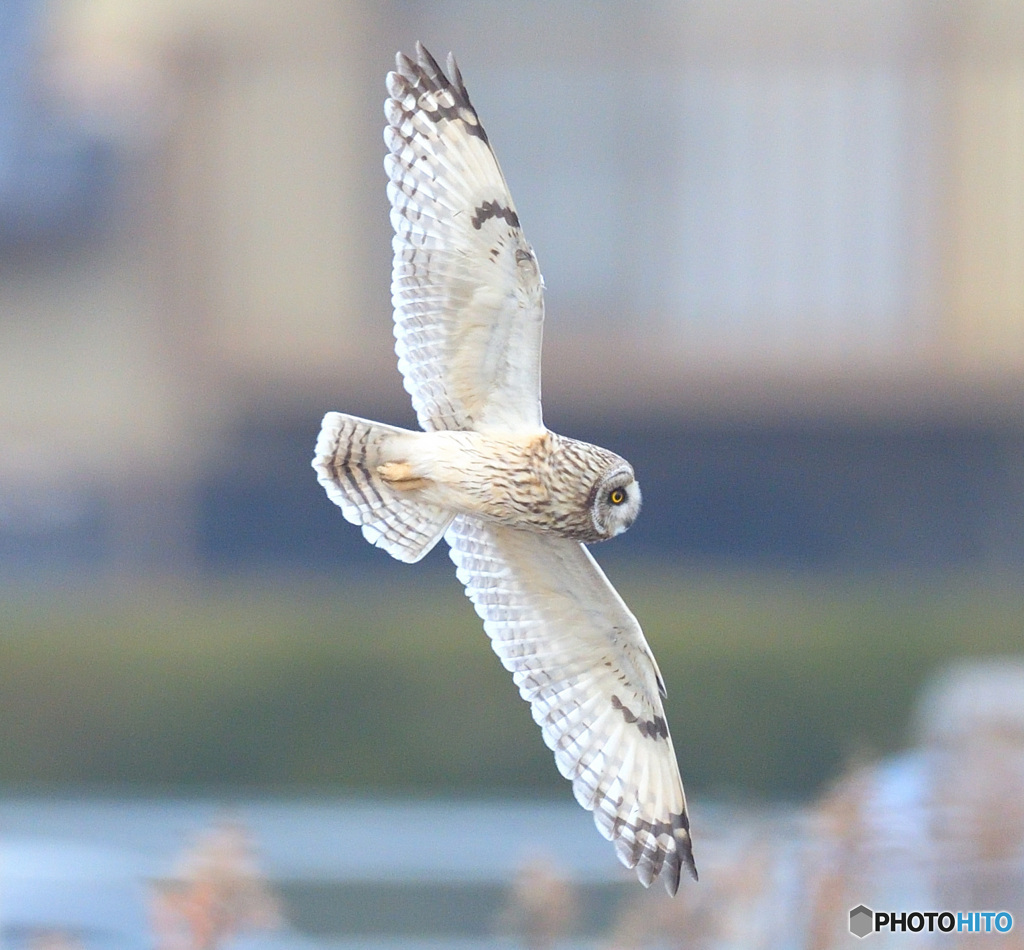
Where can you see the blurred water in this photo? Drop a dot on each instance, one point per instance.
(387, 841)
(350, 873)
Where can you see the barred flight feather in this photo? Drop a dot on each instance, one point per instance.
(465, 286)
(539, 597)
(346, 460)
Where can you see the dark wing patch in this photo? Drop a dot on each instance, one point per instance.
(654, 728)
(494, 209)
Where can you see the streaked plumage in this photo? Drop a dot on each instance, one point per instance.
(515, 501)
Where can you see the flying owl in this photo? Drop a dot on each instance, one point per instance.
(515, 502)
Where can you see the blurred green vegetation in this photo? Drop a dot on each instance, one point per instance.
(774, 683)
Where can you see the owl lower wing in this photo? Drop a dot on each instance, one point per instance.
(580, 659)
(467, 293)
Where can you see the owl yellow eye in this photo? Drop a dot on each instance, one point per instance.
(617, 496)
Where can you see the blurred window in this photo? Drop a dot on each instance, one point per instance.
(55, 176)
(558, 134)
(799, 201)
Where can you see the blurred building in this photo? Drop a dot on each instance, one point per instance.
(784, 247)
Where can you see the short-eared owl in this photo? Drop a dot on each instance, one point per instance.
(515, 502)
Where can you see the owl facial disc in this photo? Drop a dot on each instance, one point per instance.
(616, 501)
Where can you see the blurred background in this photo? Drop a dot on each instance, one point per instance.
(784, 250)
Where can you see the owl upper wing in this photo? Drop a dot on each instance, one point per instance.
(580, 659)
(467, 293)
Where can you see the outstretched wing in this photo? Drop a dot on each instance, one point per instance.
(468, 296)
(580, 659)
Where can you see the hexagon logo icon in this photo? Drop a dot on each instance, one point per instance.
(861, 921)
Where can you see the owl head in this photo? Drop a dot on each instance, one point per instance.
(615, 501)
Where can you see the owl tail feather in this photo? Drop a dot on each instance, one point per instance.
(350, 455)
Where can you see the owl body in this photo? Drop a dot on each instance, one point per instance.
(512, 499)
(535, 481)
